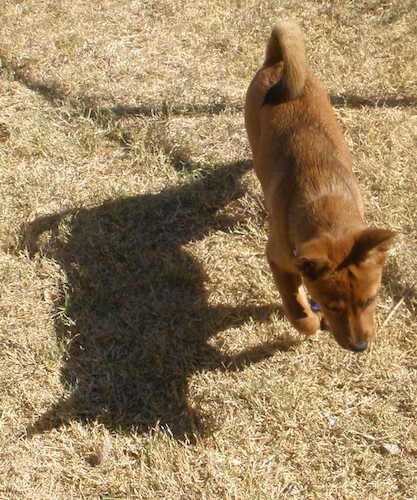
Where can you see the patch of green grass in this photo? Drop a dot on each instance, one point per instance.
(63, 312)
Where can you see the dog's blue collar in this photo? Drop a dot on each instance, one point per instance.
(314, 306)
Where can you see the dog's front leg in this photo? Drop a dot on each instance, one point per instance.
(296, 306)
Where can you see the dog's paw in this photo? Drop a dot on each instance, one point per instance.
(308, 325)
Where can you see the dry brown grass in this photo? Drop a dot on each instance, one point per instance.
(142, 353)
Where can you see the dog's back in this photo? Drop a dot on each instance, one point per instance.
(299, 152)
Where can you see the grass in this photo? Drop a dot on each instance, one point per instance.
(143, 353)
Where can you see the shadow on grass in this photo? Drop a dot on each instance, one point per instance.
(54, 93)
(105, 116)
(356, 101)
(134, 320)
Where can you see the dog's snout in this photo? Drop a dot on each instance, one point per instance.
(361, 346)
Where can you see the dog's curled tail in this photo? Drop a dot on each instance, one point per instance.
(286, 44)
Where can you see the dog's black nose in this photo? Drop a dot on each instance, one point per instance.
(359, 347)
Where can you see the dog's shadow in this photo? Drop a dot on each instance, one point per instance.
(134, 321)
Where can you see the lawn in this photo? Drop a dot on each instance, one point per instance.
(143, 350)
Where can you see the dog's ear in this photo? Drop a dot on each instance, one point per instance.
(312, 259)
(371, 244)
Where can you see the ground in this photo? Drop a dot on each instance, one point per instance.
(143, 351)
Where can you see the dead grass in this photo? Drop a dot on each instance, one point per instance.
(142, 351)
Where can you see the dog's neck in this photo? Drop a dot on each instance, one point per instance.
(333, 214)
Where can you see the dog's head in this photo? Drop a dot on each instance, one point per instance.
(343, 277)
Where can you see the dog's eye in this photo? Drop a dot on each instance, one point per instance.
(368, 302)
(333, 308)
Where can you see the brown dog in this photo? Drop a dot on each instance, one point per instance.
(318, 235)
